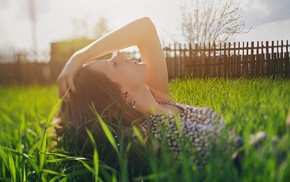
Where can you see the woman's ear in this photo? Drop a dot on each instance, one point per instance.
(125, 95)
(128, 98)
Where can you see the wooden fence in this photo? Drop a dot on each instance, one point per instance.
(26, 68)
(254, 59)
(260, 59)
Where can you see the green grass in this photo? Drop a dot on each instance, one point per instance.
(26, 152)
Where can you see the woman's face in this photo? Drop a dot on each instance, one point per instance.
(128, 73)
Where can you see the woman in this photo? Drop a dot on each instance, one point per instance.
(134, 92)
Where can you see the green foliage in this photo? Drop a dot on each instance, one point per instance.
(28, 151)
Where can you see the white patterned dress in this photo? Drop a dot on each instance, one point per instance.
(198, 126)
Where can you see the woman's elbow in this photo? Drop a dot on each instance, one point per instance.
(147, 24)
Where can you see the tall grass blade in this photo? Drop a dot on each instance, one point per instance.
(56, 178)
(50, 172)
(4, 157)
(96, 164)
(73, 174)
(24, 174)
(12, 168)
(108, 133)
(138, 135)
(67, 159)
(53, 111)
(96, 156)
(42, 149)
(87, 166)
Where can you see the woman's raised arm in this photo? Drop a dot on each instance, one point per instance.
(141, 33)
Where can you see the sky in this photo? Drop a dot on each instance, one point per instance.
(269, 20)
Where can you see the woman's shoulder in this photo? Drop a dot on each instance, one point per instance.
(194, 111)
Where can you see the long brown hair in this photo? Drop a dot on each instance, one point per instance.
(95, 94)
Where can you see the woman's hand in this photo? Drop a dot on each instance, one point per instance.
(65, 80)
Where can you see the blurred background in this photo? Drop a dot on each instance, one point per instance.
(43, 31)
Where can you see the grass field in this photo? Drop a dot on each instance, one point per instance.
(248, 106)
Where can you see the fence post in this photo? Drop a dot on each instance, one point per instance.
(257, 65)
(207, 66)
(191, 61)
(238, 60)
(287, 66)
(273, 57)
(186, 64)
(180, 69)
(267, 60)
(17, 73)
(196, 61)
(215, 68)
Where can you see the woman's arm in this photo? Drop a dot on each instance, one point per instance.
(141, 33)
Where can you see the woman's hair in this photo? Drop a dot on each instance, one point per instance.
(95, 95)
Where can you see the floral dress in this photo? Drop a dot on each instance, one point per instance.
(199, 127)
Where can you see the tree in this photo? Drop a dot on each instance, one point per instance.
(83, 34)
(83, 30)
(100, 28)
(208, 21)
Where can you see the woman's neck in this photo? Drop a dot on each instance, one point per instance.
(146, 103)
